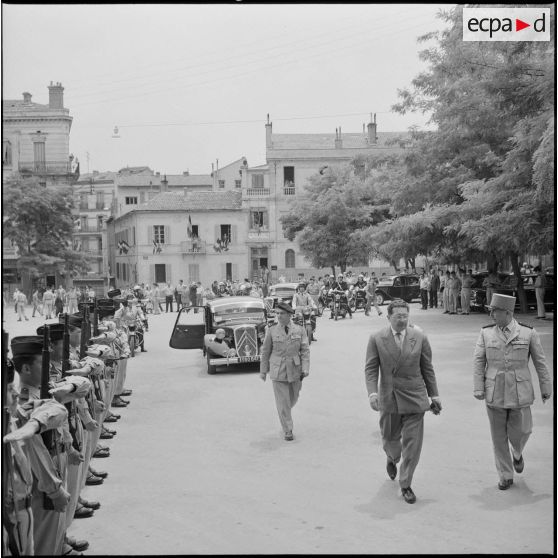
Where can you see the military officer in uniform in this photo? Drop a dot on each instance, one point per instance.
(503, 379)
(286, 357)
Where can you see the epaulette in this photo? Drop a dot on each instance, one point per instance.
(489, 325)
(525, 325)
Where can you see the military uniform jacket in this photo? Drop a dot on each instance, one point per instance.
(285, 356)
(406, 376)
(501, 367)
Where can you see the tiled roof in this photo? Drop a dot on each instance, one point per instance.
(327, 141)
(174, 180)
(17, 106)
(344, 154)
(194, 201)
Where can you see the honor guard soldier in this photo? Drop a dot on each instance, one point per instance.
(503, 379)
(286, 357)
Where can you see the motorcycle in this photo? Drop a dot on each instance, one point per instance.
(340, 303)
(324, 301)
(304, 316)
(358, 300)
(146, 305)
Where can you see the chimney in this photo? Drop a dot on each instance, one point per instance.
(55, 96)
(164, 184)
(27, 98)
(268, 131)
(372, 138)
(186, 173)
(338, 140)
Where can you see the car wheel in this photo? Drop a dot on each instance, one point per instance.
(379, 299)
(352, 306)
(211, 368)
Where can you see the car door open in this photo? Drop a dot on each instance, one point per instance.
(189, 328)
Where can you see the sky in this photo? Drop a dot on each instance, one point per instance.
(186, 85)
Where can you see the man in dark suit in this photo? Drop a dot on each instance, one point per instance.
(400, 358)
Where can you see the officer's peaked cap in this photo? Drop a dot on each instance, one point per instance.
(286, 307)
(56, 331)
(27, 345)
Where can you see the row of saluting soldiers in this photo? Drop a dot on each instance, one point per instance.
(70, 375)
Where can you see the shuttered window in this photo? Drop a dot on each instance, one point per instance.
(289, 258)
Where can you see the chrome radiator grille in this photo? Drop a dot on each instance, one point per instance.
(246, 341)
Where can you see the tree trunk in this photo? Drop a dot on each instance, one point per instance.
(394, 266)
(520, 293)
(333, 270)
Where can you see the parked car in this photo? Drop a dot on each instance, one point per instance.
(281, 292)
(406, 287)
(228, 330)
(478, 292)
(508, 285)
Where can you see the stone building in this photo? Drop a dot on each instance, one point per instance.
(35, 144)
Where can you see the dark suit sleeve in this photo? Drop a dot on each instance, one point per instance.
(426, 368)
(372, 366)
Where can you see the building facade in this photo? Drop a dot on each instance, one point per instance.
(35, 145)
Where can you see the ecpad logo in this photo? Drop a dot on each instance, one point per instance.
(506, 24)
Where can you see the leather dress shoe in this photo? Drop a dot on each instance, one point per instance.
(82, 512)
(77, 545)
(391, 469)
(143, 351)
(126, 392)
(113, 432)
(92, 480)
(505, 484)
(409, 495)
(106, 435)
(110, 418)
(101, 453)
(93, 505)
(102, 474)
(118, 402)
(518, 464)
(289, 436)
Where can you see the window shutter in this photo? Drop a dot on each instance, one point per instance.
(150, 234)
(152, 273)
(233, 233)
(266, 219)
(167, 235)
(223, 272)
(168, 273)
(133, 235)
(235, 271)
(217, 233)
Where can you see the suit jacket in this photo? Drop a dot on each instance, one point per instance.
(501, 367)
(406, 376)
(284, 356)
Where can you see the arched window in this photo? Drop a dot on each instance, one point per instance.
(289, 258)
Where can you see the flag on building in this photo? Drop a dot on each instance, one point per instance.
(189, 229)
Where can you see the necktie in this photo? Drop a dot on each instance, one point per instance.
(398, 339)
(506, 332)
(287, 330)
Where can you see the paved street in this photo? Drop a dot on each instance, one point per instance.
(199, 465)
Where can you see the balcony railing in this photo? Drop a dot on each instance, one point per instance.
(289, 190)
(45, 167)
(262, 235)
(193, 247)
(257, 192)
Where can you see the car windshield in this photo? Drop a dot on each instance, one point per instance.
(386, 280)
(238, 314)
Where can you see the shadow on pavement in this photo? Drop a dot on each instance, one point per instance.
(491, 498)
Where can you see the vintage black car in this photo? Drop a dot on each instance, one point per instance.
(228, 330)
(406, 287)
(507, 285)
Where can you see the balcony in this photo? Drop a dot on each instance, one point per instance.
(88, 230)
(289, 190)
(257, 192)
(56, 168)
(193, 247)
(259, 235)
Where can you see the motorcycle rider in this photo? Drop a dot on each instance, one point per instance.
(341, 286)
(129, 314)
(302, 299)
(222, 290)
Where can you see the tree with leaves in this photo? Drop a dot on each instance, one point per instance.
(336, 203)
(39, 222)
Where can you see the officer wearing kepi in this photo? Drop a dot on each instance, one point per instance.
(502, 377)
(286, 357)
